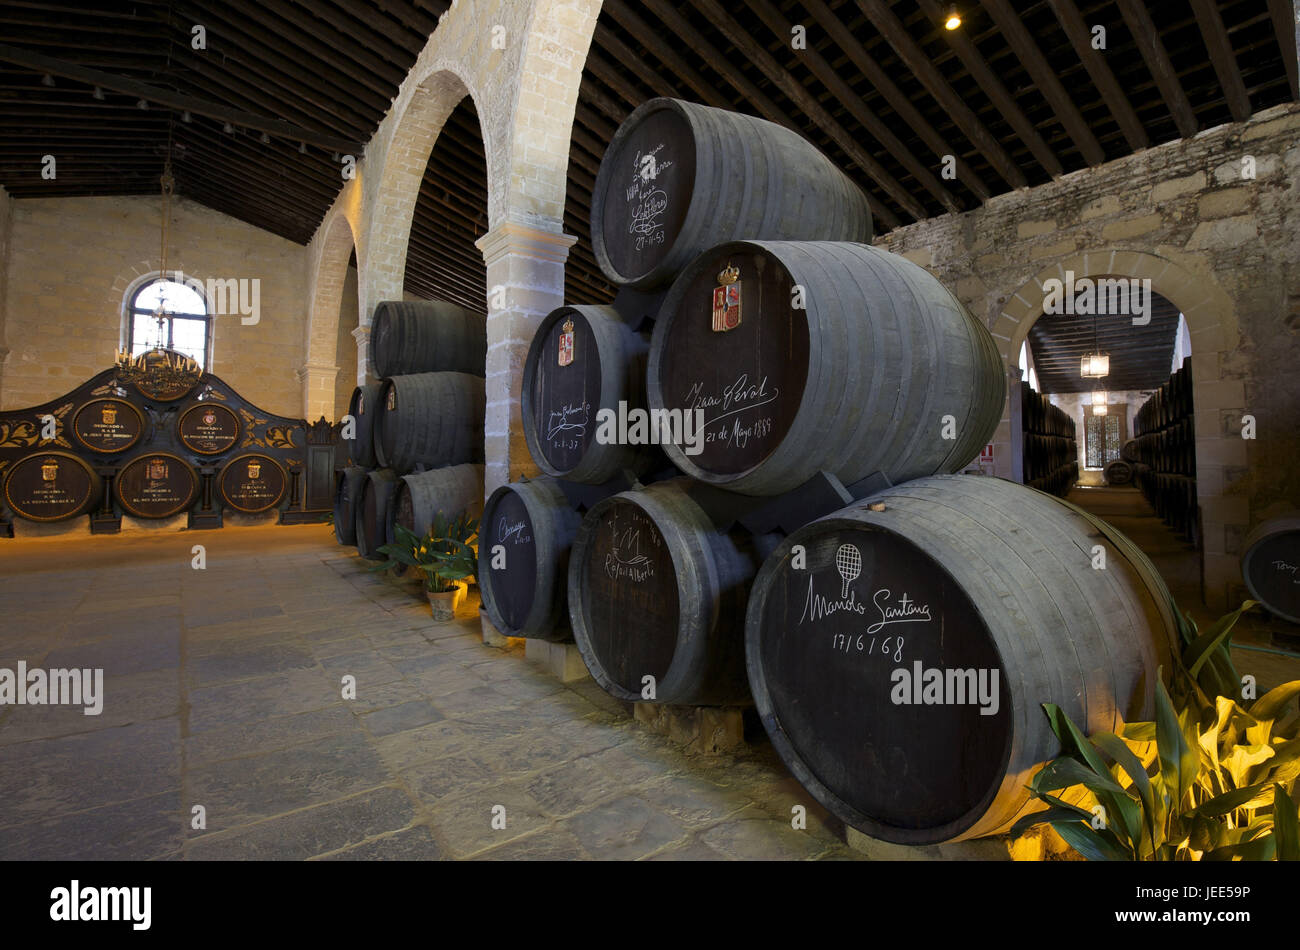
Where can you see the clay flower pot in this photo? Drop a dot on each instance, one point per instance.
(444, 603)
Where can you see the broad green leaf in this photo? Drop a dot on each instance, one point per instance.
(1286, 825)
(1242, 758)
(1200, 651)
(1272, 703)
(1140, 731)
(1178, 761)
(1049, 815)
(1228, 801)
(1114, 747)
(1093, 845)
(1257, 849)
(1066, 772)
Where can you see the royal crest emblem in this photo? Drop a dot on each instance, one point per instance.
(726, 300)
(254, 470)
(158, 470)
(209, 418)
(109, 414)
(50, 470)
(566, 343)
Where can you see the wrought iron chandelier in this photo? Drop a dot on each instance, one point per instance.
(162, 366)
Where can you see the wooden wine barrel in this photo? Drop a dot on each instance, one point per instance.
(1118, 472)
(900, 670)
(680, 177)
(582, 360)
(427, 336)
(883, 370)
(421, 495)
(363, 408)
(1129, 451)
(656, 590)
(430, 419)
(348, 488)
(51, 486)
(525, 594)
(1271, 566)
(373, 507)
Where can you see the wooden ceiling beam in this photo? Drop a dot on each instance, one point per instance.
(1222, 58)
(854, 105)
(659, 47)
(624, 54)
(1287, 28)
(892, 29)
(1147, 38)
(880, 81)
(387, 39)
(172, 100)
(1081, 39)
(1031, 57)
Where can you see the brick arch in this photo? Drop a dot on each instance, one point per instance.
(1212, 323)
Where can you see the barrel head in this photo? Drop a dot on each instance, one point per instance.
(1271, 568)
(746, 367)
(629, 597)
(645, 185)
(50, 486)
(858, 666)
(565, 396)
(158, 485)
(513, 579)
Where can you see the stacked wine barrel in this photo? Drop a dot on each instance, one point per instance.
(1051, 454)
(1163, 451)
(417, 434)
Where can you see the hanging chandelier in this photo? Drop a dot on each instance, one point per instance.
(1094, 365)
(1099, 402)
(161, 368)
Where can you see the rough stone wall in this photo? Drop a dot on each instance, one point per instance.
(1222, 246)
(346, 347)
(72, 260)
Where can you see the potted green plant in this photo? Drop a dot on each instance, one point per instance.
(445, 556)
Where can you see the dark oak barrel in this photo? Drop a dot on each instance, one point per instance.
(421, 495)
(430, 419)
(900, 670)
(1271, 566)
(655, 589)
(1118, 472)
(561, 401)
(373, 507)
(1130, 451)
(525, 594)
(346, 492)
(883, 370)
(679, 177)
(51, 486)
(364, 408)
(427, 336)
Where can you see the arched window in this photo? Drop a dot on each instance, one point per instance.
(186, 326)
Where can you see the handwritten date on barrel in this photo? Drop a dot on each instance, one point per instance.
(848, 643)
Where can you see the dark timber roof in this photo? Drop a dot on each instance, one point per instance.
(1017, 95)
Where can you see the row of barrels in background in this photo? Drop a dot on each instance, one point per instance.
(658, 584)
(417, 437)
(1051, 454)
(1163, 453)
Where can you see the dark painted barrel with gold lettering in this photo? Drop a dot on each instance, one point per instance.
(679, 177)
(51, 486)
(821, 356)
(523, 559)
(657, 590)
(900, 650)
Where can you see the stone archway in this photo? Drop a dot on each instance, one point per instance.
(1212, 323)
(320, 368)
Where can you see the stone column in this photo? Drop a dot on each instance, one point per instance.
(317, 381)
(362, 335)
(525, 282)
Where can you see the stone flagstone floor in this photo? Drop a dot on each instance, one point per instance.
(223, 690)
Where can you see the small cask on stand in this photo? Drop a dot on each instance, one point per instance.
(657, 590)
(523, 556)
(900, 671)
(821, 356)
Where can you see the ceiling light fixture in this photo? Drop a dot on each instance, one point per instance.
(952, 20)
